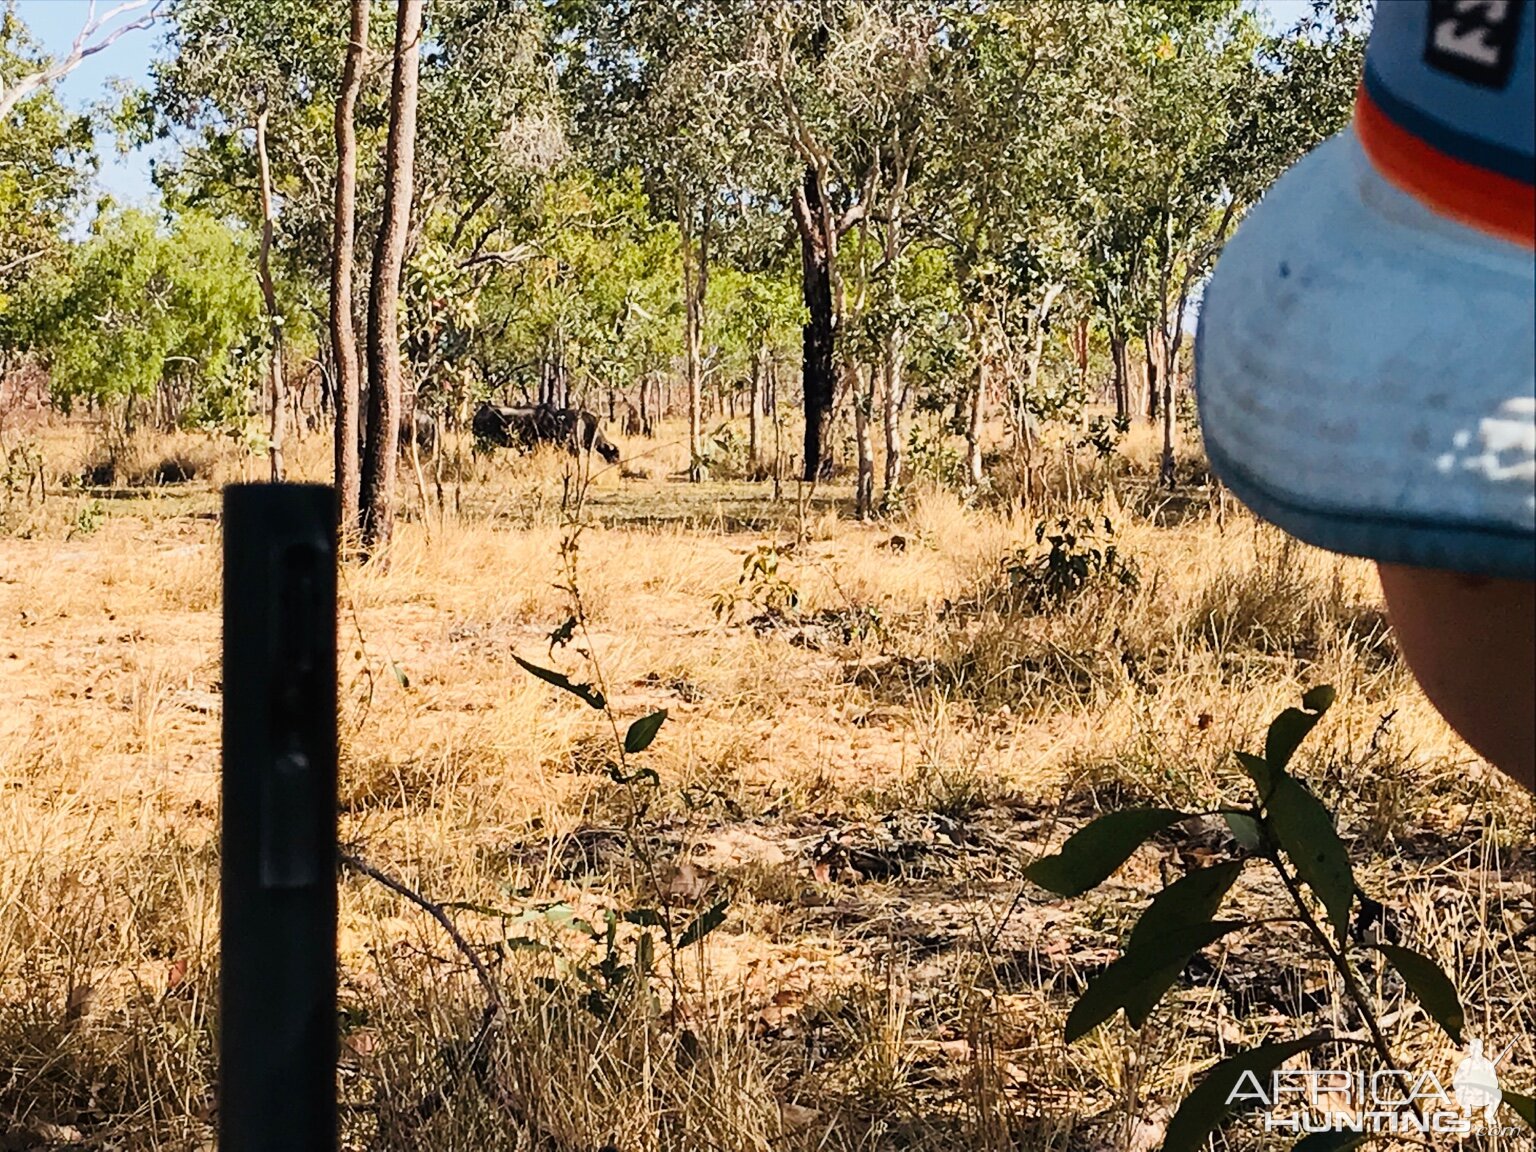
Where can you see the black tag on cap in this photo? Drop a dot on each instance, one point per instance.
(1474, 39)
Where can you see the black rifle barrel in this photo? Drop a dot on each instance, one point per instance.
(277, 986)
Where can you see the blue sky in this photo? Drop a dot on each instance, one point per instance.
(55, 23)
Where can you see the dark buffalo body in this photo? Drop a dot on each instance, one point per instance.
(425, 430)
(576, 429)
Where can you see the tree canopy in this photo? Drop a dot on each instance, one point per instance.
(898, 205)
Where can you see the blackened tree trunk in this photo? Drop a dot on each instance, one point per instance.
(818, 361)
(384, 367)
(276, 388)
(1152, 357)
(348, 375)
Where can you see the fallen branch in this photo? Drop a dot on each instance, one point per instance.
(474, 1051)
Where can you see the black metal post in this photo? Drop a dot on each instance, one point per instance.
(277, 985)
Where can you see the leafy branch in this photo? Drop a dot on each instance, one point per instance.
(1290, 829)
(628, 741)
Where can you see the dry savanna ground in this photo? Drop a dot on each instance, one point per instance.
(866, 742)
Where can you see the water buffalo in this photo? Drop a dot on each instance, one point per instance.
(425, 429)
(529, 426)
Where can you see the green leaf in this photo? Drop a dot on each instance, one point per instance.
(1290, 728)
(1092, 853)
(1523, 1107)
(1140, 977)
(643, 731)
(584, 692)
(1245, 830)
(1305, 830)
(1339, 1141)
(1430, 986)
(1206, 1107)
(1258, 771)
(707, 922)
(561, 636)
(400, 677)
(1189, 901)
(1319, 699)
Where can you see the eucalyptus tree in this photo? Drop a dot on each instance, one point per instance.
(46, 158)
(1187, 70)
(651, 89)
(293, 79)
(1211, 109)
(381, 446)
(246, 77)
(756, 317)
(344, 356)
(595, 300)
(460, 177)
(1007, 185)
(144, 319)
(845, 87)
(23, 76)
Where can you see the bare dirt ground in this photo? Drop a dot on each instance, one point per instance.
(863, 750)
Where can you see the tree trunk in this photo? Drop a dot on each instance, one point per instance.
(1080, 351)
(978, 399)
(1153, 390)
(1168, 363)
(755, 412)
(1118, 358)
(1166, 471)
(778, 437)
(893, 346)
(1024, 429)
(276, 382)
(861, 384)
(348, 390)
(892, 402)
(384, 367)
(818, 366)
(695, 283)
(1037, 334)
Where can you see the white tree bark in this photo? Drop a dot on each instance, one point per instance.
(95, 35)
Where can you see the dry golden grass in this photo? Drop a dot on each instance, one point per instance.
(859, 995)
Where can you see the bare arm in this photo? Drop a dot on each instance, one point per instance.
(1471, 642)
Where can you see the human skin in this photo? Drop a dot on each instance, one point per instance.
(1471, 643)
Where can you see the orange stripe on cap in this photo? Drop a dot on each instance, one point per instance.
(1489, 201)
